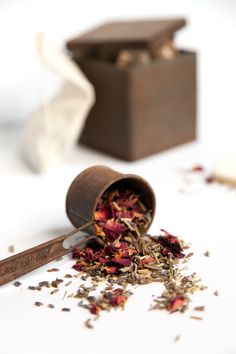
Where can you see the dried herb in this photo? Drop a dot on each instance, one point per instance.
(32, 287)
(177, 338)
(65, 309)
(68, 276)
(196, 318)
(68, 283)
(207, 254)
(54, 291)
(199, 308)
(38, 303)
(53, 270)
(126, 258)
(95, 309)
(88, 324)
(216, 293)
(189, 255)
(108, 300)
(210, 179)
(56, 282)
(44, 283)
(11, 249)
(17, 283)
(51, 306)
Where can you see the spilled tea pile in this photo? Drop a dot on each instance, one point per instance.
(122, 255)
(129, 262)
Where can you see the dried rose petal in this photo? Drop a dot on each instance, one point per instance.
(124, 245)
(113, 228)
(104, 260)
(124, 214)
(89, 254)
(176, 303)
(95, 309)
(128, 203)
(170, 244)
(76, 252)
(125, 253)
(126, 262)
(111, 269)
(78, 266)
(110, 249)
(103, 214)
(147, 260)
(119, 300)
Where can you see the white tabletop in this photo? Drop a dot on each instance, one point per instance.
(32, 211)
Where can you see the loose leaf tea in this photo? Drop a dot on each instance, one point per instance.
(146, 260)
(207, 254)
(17, 283)
(177, 338)
(123, 255)
(107, 300)
(127, 258)
(11, 249)
(120, 213)
(53, 270)
(51, 306)
(198, 168)
(196, 318)
(65, 309)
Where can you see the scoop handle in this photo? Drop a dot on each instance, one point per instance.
(33, 258)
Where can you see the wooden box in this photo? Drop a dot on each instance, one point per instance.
(141, 108)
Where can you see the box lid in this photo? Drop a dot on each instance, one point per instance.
(128, 34)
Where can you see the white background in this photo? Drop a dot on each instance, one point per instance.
(211, 32)
(32, 207)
